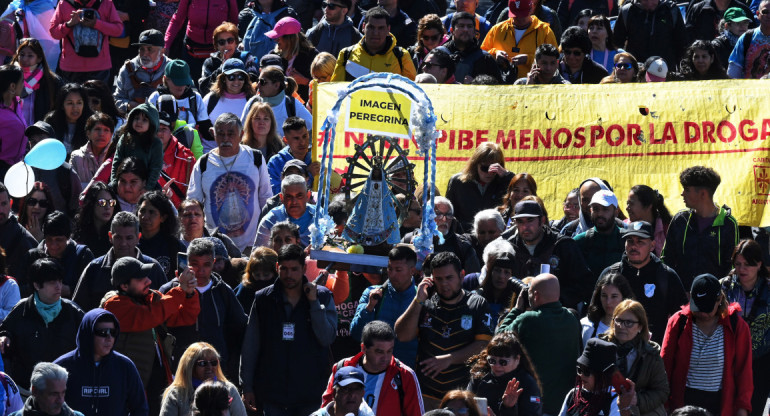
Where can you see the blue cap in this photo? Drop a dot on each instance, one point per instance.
(233, 65)
(348, 375)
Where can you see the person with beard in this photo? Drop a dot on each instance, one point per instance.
(102, 381)
(586, 191)
(656, 286)
(451, 325)
(292, 324)
(602, 245)
(140, 76)
(535, 245)
(144, 316)
(471, 60)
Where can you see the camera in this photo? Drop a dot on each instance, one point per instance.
(89, 14)
(518, 285)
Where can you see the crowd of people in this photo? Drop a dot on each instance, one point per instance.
(163, 268)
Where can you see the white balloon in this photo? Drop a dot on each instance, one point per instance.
(19, 180)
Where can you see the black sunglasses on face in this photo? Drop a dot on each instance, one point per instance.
(233, 77)
(223, 42)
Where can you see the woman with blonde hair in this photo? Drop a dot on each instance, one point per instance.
(481, 184)
(639, 358)
(259, 130)
(322, 69)
(199, 363)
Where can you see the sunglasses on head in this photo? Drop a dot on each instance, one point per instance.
(432, 38)
(104, 202)
(502, 361)
(233, 77)
(106, 332)
(210, 363)
(573, 52)
(223, 42)
(624, 65)
(331, 6)
(583, 370)
(43, 203)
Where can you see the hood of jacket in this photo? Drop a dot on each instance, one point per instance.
(149, 111)
(390, 43)
(85, 338)
(348, 22)
(583, 225)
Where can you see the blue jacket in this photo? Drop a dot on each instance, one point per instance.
(275, 168)
(221, 321)
(392, 305)
(112, 388)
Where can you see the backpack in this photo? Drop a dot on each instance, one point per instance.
(86, 41)
(254, 40)
(10, 33)
(289, 102)
(398, 52)
(256, 156)
(675, 13)
(167, 103)
(746, 45)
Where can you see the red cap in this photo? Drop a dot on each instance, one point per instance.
(519, 8)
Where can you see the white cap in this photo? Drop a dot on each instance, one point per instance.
(604, 198)
(657, 71)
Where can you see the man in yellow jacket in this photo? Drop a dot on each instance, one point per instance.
(514, 41)
(376, 52)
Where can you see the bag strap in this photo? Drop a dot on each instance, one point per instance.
(747, 42)
(291, 108)
(213, 100)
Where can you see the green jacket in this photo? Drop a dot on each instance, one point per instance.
(551, 335)
(152, 157)
(600, 250)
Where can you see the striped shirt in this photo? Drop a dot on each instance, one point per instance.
(707, 360)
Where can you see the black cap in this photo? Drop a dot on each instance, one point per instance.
(527, 208)
(641, 229)
(704, 293)
(167, 119)
(297, 164)
(270, 59)
(40, 127)
(599, 355)
(127, 268)
(151, 37)
(504, 261)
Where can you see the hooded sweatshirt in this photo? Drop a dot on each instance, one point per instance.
(333, 38)
(112, 386)
(152, 157)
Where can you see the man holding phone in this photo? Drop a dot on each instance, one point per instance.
(545, 69)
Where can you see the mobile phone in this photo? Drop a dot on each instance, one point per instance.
(618, 380)
(89, 14)
(481, 403)
(181, 261)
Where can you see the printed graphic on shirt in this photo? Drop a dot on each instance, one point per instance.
(232, 204)
(95, 391)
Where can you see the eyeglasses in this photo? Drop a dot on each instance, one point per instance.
(262, 81)
(484, 168)
(502, 361)
(625, 323)
(443, 214)
(233, 77)
(106, 332)
(583, 370)
(43, 203)
(574, 52)
(223, 42)
(104, 202)
(433, 38)
(210, 363)
(624, 65)
(429, 65)
(331, 6)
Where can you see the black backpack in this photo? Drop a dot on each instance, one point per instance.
(256, 154)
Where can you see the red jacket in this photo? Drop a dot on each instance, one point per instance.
(737, 382)
(177, 163)
(202, 17)
(174, 309)
(389, 402)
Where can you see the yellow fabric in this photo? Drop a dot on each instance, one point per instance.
(123, 42)
(376, 63)
(502, 37)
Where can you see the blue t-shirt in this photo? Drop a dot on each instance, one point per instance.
(756, 62)
(606, 58)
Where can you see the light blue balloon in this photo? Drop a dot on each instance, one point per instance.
(49, 154)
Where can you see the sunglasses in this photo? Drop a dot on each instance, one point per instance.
(223, 42)
(43, 203)
(262, 81)
(204, 363)
(583, 370)
(484, 168)
(331, 6)
(574, 52)
(233, 77)
(502, 361)
(764, 11)
(624, 65)
(106, 332)
(625, 323)
(104, 202)
(433, 38)
(428, 65)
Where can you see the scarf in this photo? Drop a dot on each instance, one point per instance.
(229, 96)
(32, 80)
(48, 312)
(731, 37)
(276, 100)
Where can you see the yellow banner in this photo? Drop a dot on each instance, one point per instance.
(628, 134)
(379, 112)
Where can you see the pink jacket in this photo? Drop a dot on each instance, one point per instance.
(203, 17)
(13, 142)
(109, 24)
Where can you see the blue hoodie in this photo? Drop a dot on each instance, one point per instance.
(111, 388)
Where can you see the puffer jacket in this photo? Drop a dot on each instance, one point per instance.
(502, 38)
(202, 16)
(360, 62)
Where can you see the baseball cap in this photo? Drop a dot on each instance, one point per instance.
(519, 8)
(704, 293)
(127, 268)
(178, 72)
(232, 66)
(527, 209)
(285, 26)
(270, 59)
(348, 375)
(150, 37)
(736, 14)
(656, 69)
(40, 127)
(166, 119)
(641, 229)
(297, 164)
(604, 198)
